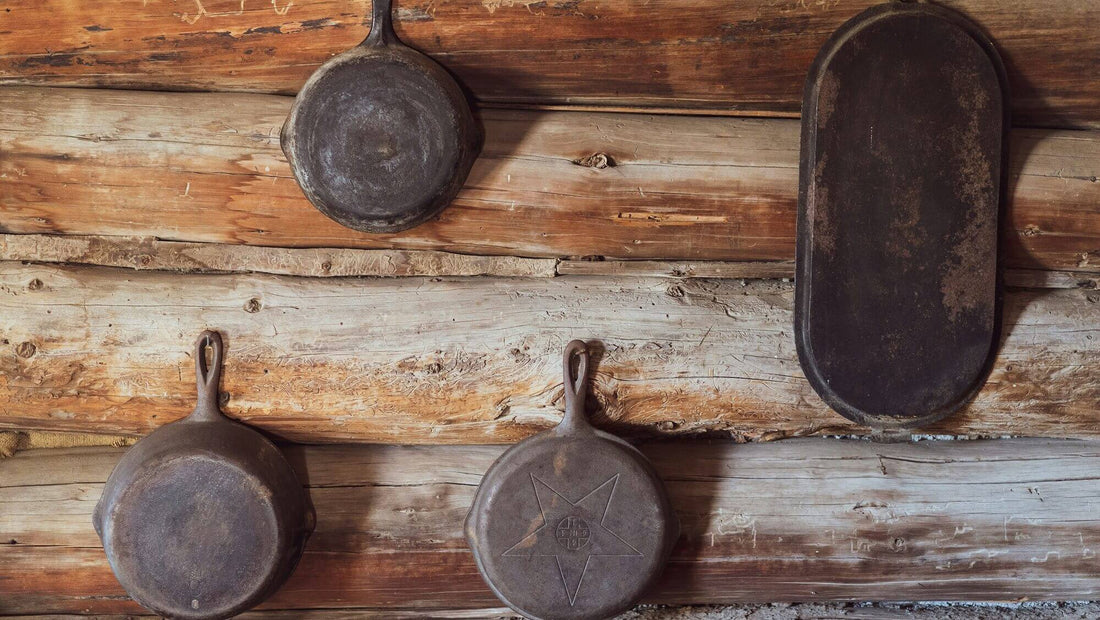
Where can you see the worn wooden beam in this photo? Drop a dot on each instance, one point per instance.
(749, 56)
(1020, 278)
(473, 360)
(150, 254)
(208, 168)
(805, 520)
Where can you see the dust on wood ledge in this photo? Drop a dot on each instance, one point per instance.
(805, 520)
(476, 360)
(198, 167)
(749, 56)
(933, 610)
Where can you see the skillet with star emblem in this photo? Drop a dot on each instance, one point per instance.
(574, 522)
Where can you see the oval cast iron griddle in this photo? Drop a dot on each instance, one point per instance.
(381, 138)
(903, 140)
(204, 518)
(573, 522)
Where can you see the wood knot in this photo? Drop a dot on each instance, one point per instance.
(26, 350)
(252, 306)
(676, 291)
(35, 284)
(596, 160)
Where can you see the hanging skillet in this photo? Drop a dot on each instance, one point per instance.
(572, 523)
(903, 145)
(381, 138)
(204, 518)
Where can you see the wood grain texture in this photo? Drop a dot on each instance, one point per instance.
(990, 520)
(749, 56)
(208, 168)
(150, 254)
(476, 360)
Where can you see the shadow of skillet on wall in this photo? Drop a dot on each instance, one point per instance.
(381, 137)
(204, 518)
(901, 183)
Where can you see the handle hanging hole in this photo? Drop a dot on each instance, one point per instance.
(208, 366)
(575, 383)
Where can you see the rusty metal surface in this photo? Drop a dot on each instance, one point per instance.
(204, 518)
(903, 142)
(574, 522)
(381, 137)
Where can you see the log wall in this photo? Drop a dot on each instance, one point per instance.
(624, 196)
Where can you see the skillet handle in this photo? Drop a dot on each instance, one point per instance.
(381, 28)
(208, 377)
(575, 387)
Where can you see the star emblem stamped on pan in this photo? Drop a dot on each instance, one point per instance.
(572, 533)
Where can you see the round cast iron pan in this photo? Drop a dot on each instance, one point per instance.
(204, 518)
(573, 522)
(381, 138)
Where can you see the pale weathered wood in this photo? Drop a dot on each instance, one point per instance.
(792, 520)
(1021, 278)
(468, 360)
(145, 253)
(750, 55)
(208, 168)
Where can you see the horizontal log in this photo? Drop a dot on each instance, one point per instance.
(749, 56)
(208, 168)
(476, 360)
(806, 520)
(149, 254)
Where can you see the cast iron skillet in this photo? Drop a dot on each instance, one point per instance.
(571, 523)
(204, 518)
(903, 148)
(381, 138)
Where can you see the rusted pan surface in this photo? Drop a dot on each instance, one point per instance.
(573, 523)
(900, 193)
(381, 137)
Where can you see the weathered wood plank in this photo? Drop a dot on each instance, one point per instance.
(476, 360)
(1021, 278)
(748, 56)
(147, 253)
(208, 168)
(989, 520)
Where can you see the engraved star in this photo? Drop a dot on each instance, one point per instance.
(572, 532)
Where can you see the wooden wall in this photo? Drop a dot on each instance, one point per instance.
(637, 189)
